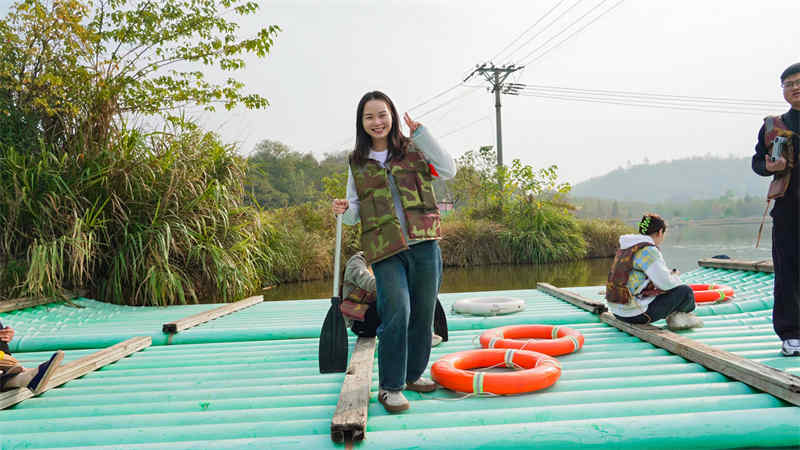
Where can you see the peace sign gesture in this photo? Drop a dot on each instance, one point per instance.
(412, 125)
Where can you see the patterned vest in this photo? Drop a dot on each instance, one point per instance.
(381, 236)
(617, 285)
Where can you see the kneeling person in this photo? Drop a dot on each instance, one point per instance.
(358, 299)
(641, 289)
(13, 375)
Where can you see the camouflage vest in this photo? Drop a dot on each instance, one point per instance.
(381, 236)
(774, 127)
(356, 302)
(617, 285)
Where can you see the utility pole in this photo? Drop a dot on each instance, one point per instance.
(496, 76)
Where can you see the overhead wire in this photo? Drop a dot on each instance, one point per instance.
(514, 41)
(563, 13)
(723, 101)
(434, 97)
(464, 126)
(442, 105)
(643, 103)
(537, 58)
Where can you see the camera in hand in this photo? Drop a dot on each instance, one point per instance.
(777, 147)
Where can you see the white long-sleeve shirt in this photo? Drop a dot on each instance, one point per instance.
(649, 261)
(441, 160)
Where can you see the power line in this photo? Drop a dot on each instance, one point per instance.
(614, 6)
(436, 108)
(425, 102)
(527, 30)
(464, 126)
(725, 101)
(546, 27)
(449, 110)
(591, 10)
(649, 104)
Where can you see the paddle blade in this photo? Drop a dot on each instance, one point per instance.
(333, 341)
(440, 321)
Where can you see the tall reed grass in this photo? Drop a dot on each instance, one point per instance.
(602, 236)
(147, 219)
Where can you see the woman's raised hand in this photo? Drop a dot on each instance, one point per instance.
(340, 205)
(412, 125)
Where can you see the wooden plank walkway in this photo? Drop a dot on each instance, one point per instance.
(349, 422)
(79, 368)
(205, 316)
(735, 264)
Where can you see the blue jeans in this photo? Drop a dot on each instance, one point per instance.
(680, 298)
(407, 285)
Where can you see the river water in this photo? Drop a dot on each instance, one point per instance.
(683, 246)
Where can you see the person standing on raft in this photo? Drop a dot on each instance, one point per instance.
(641, 289)
(390, 190)
(785, 190)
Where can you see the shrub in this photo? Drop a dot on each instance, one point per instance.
(602, 236)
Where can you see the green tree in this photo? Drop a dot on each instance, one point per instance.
(87, 201)
(73, 68)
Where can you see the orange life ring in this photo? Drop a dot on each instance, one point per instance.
(539, 371)
(706, 293)
(550, 340)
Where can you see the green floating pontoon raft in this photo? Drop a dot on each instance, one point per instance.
(250, 380)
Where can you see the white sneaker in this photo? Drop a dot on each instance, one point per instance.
(422, 385)
(791, 347)
(393, 401)
(435, 340)
(683, 321)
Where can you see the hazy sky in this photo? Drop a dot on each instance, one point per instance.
(331, 52)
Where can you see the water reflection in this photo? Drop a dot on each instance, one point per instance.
(475, 279)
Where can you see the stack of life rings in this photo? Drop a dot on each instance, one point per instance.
(708, 293)
(527, 347)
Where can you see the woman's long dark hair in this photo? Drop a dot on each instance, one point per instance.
(397, 143)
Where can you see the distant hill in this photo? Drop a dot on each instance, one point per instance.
(678, 180)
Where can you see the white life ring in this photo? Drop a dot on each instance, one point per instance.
(488, 306)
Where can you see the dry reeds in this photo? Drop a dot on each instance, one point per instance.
(602, 236)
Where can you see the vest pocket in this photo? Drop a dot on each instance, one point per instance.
(427, 197)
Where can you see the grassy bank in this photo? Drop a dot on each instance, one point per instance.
(308, 236)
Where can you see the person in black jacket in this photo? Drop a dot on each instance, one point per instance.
(785, 222)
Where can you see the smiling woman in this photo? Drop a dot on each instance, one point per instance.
(390, 191)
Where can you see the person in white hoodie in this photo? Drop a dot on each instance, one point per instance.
(641, 289)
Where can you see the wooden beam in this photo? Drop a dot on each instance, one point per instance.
(593, 306)
(350, 419)
(27, 302)
(735, 264)
(14, 396)
(203, 317)
(24, 302)
(776, 382)
(79, 368)
(765, 266)
(90, 363)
